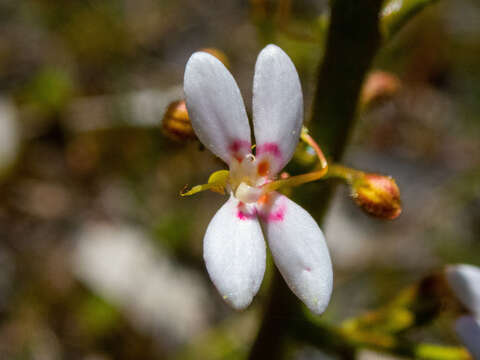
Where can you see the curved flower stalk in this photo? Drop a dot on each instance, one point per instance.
(234, 247)
(464, 280)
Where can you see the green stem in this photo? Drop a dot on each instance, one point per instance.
(337, 171)
(352, 42)
(281, 307)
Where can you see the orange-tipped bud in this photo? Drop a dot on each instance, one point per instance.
(220, 55)
(379, 86)
(378, 195)
(176, 123)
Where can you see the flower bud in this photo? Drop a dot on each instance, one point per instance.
(378, 195)
(378, 87)
(220, 55)
(176, 123)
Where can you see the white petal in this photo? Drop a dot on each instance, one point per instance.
(468, 330)
(234, 252)
(216, 107)
(299, 251)
(465, 282)
(277, 106)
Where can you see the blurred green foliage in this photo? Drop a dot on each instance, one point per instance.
(50, 89)
(96, 316)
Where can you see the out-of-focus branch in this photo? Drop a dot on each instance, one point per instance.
(353, 40)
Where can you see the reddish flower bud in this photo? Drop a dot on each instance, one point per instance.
(176, 123)
(379, 86)
(378, 195)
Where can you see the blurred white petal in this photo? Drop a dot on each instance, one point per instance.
(468, 330)
(277, 106)
(299, 251)
(216, 107)
(464, 280)
(9, 134)
(234, 252)
(120, 264)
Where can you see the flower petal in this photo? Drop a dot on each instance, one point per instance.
(468, 330)
(234, 252)
(216, 107)
(299, 251)
(465, 282)
(277, 106)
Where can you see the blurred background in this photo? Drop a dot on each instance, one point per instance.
(99, 256)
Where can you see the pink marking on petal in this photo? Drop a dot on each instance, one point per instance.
(238, 145)
(270, 148)
(277, 214)
(239, 148)
(243, 214)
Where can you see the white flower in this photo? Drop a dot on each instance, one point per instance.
(468, 330)
(234, 247)
(464, 280)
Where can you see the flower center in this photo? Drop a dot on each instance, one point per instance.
(247, 193)
(247, 176)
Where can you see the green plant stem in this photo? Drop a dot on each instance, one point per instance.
(352, 42)
(281, 307)
(337, 171)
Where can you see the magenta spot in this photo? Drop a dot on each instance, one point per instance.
(238, 145)
(270, 148)
(243, 214)
(276, 215)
